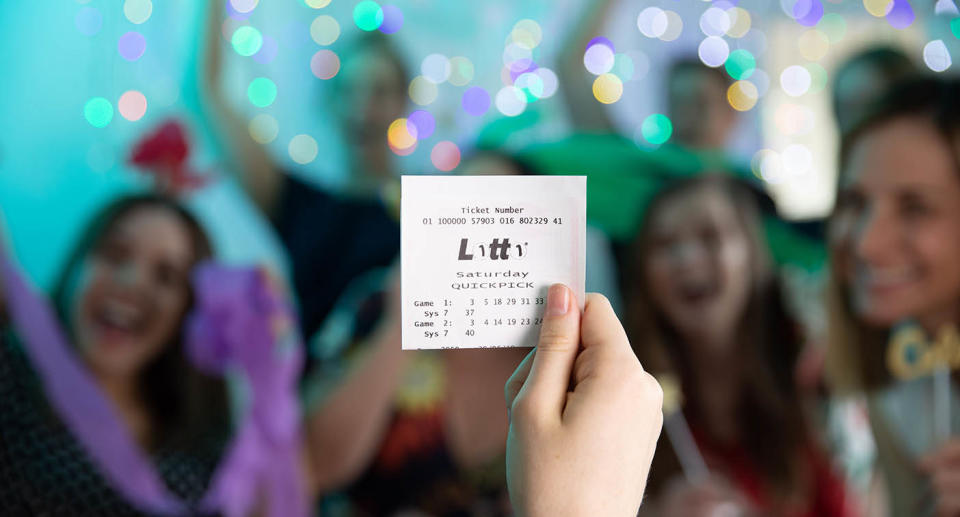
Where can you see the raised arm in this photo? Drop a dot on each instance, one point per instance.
(586, 113)
(345, 419)
(258, 174)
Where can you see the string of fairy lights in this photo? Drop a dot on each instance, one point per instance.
(729, 39)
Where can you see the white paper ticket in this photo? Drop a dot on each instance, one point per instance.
(478, 254)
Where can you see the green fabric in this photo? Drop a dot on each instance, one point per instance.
(623, 178)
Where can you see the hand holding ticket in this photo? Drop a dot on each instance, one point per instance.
(478, 254)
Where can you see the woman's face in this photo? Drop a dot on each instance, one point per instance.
(370, 97)
(698, 264)
(132, 291)
(896, 229)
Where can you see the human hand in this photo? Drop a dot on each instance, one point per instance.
(943, 467)
(584, 416)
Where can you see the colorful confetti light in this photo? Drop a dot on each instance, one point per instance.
(461, 71)
(246, 40)
(302, 149)
(510, 101)
(401, 135)
(324, 30)
(936, 56)
(743, 95)
(317, 4)
(262, 92)
(713, 51)
(435, 68)
(423, 91)
(740, 64)
(137, 11)
(599, 59)
(98, 112)
(244, 6)
(368, 15)
(656, 129)
(795, 80)
(527, 33)
(653, 22)
(607, 88)
(445, 156)
(264, 128)
(423, 122)
(132, 105)
(131, 46)
(476, 101)
(325, 64)
(392, 19)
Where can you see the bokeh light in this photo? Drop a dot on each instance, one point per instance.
(795, 80)
(878, 8)
(262, 92)
(435, 68)
(713, 51)
(244, 6)
(527, 33)
(517, 58)
(598, 59)
(401, 135)
(445, 156)
(743, 95)
(623, 67)
(674, 26)
(814, 45)
(511, 101)
(88, 21)
(132, 105)
(936, 56)
(549, 81)
(317, 4)
(475, 101)
(461, 71)
(423, 91)
(368, 15)
(768, 166)
(653, 22)
(808, 12)
(531, 85)
(246, 40)
(423, 123)
(715, 22)
(137, 11)
(325, 64)
(267, 52)
(740, 64)
(818, 77)
(392, 19)
(98, 112)
(901, 15)
(264, 128)
(131, 46)
(740, 22)
(834, 26)
(955, 27)
(324, 30)
(607, 88)
(657, 129)
(302, 149)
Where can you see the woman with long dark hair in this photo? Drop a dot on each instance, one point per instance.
(115, 398)
(704, 305)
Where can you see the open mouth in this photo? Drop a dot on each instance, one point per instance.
(698, 293)
(887, 278)
(118, 318)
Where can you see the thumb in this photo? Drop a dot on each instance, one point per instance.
(549, 379)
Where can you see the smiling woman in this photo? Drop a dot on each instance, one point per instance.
(895, 260)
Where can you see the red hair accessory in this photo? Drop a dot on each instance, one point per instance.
(164, 153)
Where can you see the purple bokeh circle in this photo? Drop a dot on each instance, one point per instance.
(476, 101)
(131, 45)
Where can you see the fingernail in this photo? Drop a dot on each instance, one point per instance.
(558, 300)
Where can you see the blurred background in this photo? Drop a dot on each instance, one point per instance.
(87, 79)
